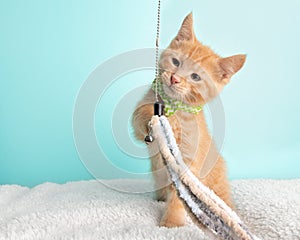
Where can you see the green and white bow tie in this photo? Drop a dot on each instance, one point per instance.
(173, 105)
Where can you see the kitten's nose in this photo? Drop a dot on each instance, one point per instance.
(174, 80)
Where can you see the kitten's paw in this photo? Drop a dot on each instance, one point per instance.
(171, 222)
(161, 194)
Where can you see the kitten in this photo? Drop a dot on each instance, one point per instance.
(194, 74)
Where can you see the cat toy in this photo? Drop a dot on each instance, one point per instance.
(205, 208)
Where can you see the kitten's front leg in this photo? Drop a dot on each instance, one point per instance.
(141, 117)
(176, 128)
(175, 214)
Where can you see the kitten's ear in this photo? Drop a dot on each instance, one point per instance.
(230, 65)
(186, 31)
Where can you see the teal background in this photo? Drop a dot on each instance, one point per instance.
(48, 49)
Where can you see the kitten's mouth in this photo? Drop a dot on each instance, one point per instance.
(172, 91)
(174, 84)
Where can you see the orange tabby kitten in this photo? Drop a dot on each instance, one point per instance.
(194, 74)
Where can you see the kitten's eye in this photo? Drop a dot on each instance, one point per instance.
(175, 62)
(195, 77)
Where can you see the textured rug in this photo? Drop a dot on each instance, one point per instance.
(89, 210)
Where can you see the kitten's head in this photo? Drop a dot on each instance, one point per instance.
(192, 72)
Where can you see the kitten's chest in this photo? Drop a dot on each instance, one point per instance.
(186, 129)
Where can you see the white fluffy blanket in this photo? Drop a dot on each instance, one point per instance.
(89, 210)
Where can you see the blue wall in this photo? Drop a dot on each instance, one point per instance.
(48, 49)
